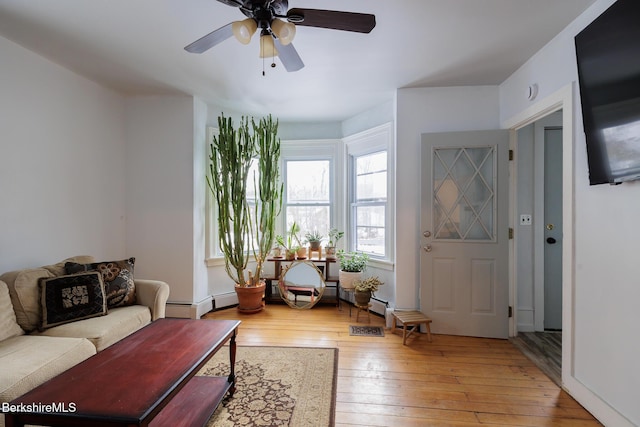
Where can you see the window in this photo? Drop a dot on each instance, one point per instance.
(370, 184)
(370, 202)
(311, 170)
(307, 199)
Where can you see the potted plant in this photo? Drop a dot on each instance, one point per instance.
(330, 249)
(364, 289)
(290, 246)
(352, 265)
(232, 154)
(315, 239)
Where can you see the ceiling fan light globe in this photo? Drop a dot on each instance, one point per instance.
(267, 47)
(243, 30)
(285, 31)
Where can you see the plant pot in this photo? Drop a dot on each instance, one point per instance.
(315, 246)
(348, 279)
(290, 255)
(330, 252)
(250, 298)
(362, 298)
(302, 253)
(277, 252)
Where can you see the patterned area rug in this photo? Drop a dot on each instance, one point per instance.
(277, 386)
(366, 331)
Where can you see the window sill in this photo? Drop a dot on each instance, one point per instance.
(375, 263)
(214, 262)
(382, 264)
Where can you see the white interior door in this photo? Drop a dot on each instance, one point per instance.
(464, 218)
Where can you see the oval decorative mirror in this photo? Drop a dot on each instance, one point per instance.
(301, 284)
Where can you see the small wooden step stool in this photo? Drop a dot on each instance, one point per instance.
(411, 318)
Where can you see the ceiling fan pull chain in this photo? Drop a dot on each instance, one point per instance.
(262, 50)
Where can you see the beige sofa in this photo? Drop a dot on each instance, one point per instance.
(30, 355)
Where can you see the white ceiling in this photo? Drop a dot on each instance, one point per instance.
(136, 47)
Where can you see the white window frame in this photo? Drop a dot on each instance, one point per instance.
(308, 150)
(367, 142)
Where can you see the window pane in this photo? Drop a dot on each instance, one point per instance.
(252, 179)
(369, 163)
(308, 181)
(372, 186)
(309, 218)
(370, 229)
(371, 177)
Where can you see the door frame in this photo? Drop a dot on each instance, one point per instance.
(559, 100)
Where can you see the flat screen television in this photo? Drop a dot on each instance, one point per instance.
(608, 57)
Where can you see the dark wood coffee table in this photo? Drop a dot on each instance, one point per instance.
(147, 379)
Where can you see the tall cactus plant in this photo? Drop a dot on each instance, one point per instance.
(231, 155)
(268, 190)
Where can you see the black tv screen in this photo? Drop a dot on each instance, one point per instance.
(608, 56)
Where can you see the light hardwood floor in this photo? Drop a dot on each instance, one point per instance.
(453, 381)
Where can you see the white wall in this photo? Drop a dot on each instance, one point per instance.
(160, 191)
(376, 116)
(420, 111)
(524, 234)
(606, 268)
(62, 178)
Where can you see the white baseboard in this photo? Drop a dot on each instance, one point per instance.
(225, 300)
(378, 306)
(189, 311)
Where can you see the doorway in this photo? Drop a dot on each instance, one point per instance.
(523, 297)
(539, 243)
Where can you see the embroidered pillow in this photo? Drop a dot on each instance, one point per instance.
(65, 299)
(119, 286)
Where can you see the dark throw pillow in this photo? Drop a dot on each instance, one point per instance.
(119, 286)
(66, 299)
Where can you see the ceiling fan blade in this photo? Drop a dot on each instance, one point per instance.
(332, 19)
(210, 40)
(288, 56)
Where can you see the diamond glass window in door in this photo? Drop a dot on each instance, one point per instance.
(464, 201)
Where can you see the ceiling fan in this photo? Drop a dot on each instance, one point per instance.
(276, 34)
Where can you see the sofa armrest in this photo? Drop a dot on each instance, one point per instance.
(153, 294)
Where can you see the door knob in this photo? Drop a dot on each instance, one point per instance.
(427, 248)
(551, 240)
(427, 233)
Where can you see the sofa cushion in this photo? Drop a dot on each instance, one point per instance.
(8, 325)
(58, 268)
(27, 361)
(106, 330)
(74, 297)
(118, 279)
(24, 291)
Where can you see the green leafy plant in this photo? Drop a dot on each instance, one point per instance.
(369, 284)
(313, 236)
(231, 155)
(353, 262)
(292, 238)
(334, 236)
